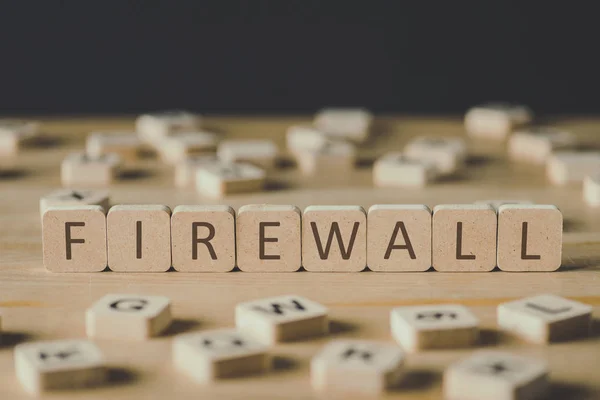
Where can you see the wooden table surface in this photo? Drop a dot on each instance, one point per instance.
(39, 305)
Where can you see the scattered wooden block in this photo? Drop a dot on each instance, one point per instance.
(448, 154)
(218, 180)
(434, 327)
(79, 169)
(334, 239)
(345, 123)
(496, 375)
(60, 364)
(529, 237)
(566, 167)
(269, 238)
(395, 170)
(464, 237)
(353, 367)
(399, 237)
(203, 238)
(545, 318)
(74, 238)
(305, 138)
(126, 145)
(217, 354)
(335, 157)
(14, 133)
(259, 152)
(139, 238)
(128, 316)
(496, 121)
(180, 146)
(591, 189)
(536, 145)
(185, 171)
(70, 197)
(282, 319)
(152, 128)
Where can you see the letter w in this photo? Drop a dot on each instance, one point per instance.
(335, 230)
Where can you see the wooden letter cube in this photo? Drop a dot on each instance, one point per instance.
(126, 145)
(139, 238)
(14, 133)
(448, 154)
(396, 170)
(153, 128)
(180, 146)
(259, 152)
(80, 197)
(216, 354)
(203, 238)
(128, 316)
(350, 123)
(535, 145)
(79, 169)
(334, 158)
(529, 237)
(464, 237)
(304, 138)
(545, 318)
(494, 375)
(334, 239)
(356, 367)
(185, 171)
(60, 364)
(434, 327)
(269, 238)
(496, 121)
(591, 189)
(282, 319)
(74, 239)
(218, 180)
(399, 238)
(566, 167)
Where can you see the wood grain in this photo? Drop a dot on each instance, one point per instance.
(36, 304)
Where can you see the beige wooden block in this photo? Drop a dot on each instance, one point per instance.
(59, 364)
(351, 367)
(545, 318)
(304, 138)
(399, 237)
(529, 237)
(282, 319)
(496, 121)
(497, 203)
(536, 144)
(566, 167)
(464, 237)
(185, 171)
(396, 170)
(74, 239)
(259, 152)
(79, 169)
(218, 180)
(216, 354)
(334, 158)
(448, 154)
(441, 326)
(345, 123)
(14, 133)
(334, 239)
(591, 189)
(152, 128)
(180, 146)
(495, 375)
(128, 316)
(203, 238)
(139, 238)
(126, 145)
(70, 197)
(269, 238)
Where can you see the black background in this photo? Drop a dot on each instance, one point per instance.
(84, 57)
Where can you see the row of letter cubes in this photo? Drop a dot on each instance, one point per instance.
(271, 238)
